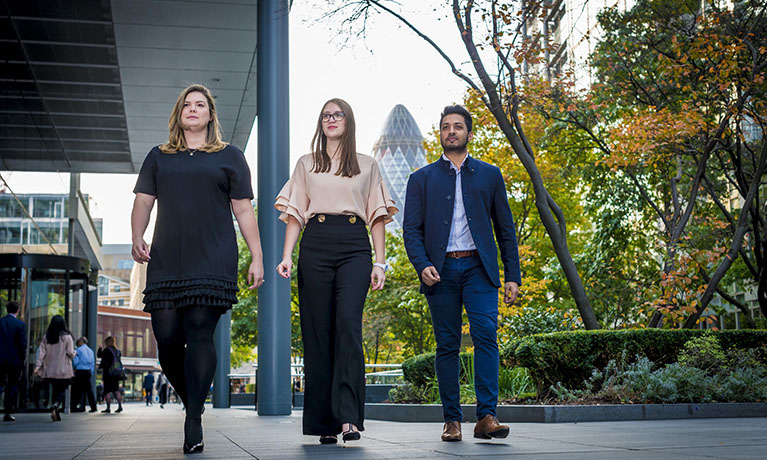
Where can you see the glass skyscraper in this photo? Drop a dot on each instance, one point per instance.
(399, 152)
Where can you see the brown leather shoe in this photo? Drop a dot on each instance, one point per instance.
(488, 427)
(451, 432)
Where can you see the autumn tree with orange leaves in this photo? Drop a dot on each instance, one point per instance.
(679, 110)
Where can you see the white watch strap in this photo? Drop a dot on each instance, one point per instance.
(383, 267)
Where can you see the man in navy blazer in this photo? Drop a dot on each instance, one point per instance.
(452, 207)
(13, 345)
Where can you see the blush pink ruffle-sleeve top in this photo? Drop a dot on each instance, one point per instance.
(309, 193)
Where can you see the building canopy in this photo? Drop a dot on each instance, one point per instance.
(87, 85)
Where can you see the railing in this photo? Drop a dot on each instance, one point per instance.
(391, 374)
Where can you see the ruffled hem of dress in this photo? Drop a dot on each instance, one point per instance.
(206, 292)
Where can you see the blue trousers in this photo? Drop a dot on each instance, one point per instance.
(464, 283)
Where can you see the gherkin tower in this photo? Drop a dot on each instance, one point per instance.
(399, 152)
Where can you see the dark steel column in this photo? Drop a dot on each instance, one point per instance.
(273, 384)
(223, 340)
(92, 324)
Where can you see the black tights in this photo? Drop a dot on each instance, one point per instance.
(187, 353)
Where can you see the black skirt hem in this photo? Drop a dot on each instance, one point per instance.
(207, 292)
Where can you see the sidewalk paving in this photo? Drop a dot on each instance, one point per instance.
(152, 433)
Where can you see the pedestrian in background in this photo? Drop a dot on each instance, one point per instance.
(13, 347)
(112, 373)
(85, 365)
(54, 362)
(162, 389)
(148, 387)
(334, 193)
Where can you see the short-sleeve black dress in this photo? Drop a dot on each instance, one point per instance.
(193, 256)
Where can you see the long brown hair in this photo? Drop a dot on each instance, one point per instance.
(348, 167)
(176, 140)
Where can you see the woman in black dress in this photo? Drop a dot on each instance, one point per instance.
(109, 354)
(198, 181)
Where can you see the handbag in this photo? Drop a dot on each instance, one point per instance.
(117, 369)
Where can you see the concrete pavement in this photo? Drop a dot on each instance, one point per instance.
(152, 433)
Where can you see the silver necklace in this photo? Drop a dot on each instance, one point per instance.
(192, 152)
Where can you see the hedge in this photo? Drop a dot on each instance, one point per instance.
(570, 357)
(419, 369)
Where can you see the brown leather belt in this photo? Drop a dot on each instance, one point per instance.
(461, 254)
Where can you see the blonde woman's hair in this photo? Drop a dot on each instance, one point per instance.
(176, 141)
(348, 166)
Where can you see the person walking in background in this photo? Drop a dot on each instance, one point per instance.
(162, 389)
(452, 207)
(111, 373)
(13, 347)
(85, 364)
(334, 193)
(148, 387)
(54, 362)
(198, 182)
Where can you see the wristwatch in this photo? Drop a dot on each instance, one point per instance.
(383, 267)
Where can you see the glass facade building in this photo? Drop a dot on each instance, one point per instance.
(49, 213)
(399, 151)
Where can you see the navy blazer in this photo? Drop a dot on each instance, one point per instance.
(429, 215)
(13, 341)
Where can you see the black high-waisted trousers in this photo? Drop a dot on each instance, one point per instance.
(334, 265)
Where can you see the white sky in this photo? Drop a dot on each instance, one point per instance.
(392, 66)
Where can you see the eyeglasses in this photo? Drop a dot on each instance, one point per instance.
(337, 116)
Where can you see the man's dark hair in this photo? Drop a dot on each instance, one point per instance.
(460, 110)
(12, 307)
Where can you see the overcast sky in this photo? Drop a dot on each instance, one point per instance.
(391, 66)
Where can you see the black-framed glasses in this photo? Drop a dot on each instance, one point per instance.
(336, 116)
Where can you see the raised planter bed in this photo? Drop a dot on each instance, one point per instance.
(570, 413)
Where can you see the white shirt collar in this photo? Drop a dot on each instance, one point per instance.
(444, 157)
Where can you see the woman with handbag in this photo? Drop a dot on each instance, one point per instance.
(334, 194)
(54, 362)
(112, 373)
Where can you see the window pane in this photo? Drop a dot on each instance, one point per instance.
(47, 207)
(9, 207)
(10, 233)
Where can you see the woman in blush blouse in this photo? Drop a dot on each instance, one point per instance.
(333, 195)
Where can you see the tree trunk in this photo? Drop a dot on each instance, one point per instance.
(737, 241)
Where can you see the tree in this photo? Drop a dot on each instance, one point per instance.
(676, 85)
(397, 318)
(498, 93)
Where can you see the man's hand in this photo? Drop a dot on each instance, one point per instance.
(510, 292)
(429, 276)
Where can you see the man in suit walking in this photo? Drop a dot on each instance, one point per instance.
(85, 365)
(13, 346)
(452, 207)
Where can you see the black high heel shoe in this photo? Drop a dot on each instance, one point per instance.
(351, 435)
(193, 436)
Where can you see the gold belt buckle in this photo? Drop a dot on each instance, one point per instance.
(321, 218)
(352, 219)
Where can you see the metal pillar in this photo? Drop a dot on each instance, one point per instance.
(223, 340)
(273, 378)
(92, 327)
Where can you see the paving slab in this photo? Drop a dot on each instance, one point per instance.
(143, 432)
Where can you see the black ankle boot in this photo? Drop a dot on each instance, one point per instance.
(193, 435)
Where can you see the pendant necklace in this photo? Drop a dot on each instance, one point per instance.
(191, 152)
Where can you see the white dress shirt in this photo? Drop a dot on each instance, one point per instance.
(460, 235)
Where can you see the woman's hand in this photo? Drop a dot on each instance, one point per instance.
(140, 251)
(377, 278)
(285, 268)
(256, 274)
